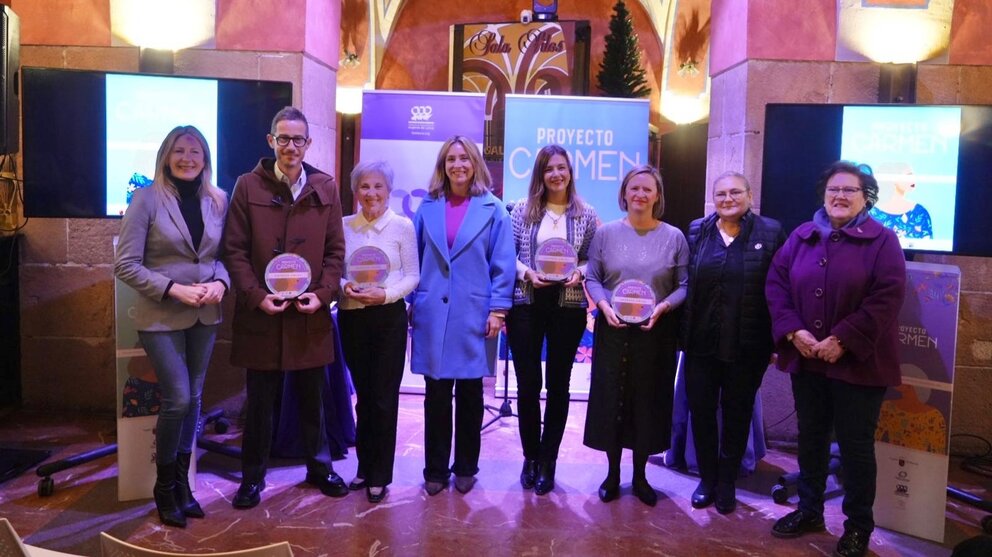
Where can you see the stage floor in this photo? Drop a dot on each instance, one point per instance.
(496, 518)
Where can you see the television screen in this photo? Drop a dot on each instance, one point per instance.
(932, 164)
(90, 138)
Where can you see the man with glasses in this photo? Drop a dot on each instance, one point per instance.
(283, 206)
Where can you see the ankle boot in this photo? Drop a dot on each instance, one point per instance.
(545, 482)
(165, 498)
(184, 495)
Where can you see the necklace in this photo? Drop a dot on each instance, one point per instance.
(551, 215)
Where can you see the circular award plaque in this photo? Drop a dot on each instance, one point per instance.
(367, 267)
(287, 275)
(633, 302)
(555, 260)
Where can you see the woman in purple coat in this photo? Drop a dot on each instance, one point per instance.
(834, 292)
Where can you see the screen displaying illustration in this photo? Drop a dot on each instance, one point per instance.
(141, 110)
(913, 152)
(91, 137)
(932, 163)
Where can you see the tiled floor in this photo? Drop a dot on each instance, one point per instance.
(496, 518)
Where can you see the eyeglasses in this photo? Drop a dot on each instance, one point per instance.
(732, 194)
(283, 140)
(845, 192)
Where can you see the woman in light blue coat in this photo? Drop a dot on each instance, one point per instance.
(467, 270)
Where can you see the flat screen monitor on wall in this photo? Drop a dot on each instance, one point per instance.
(933, 165)
(91, 137)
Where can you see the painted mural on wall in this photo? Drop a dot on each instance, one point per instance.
(496, 59)
(685, 92)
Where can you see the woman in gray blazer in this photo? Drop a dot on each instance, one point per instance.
(168, 252)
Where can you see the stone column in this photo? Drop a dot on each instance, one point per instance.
(768, 51)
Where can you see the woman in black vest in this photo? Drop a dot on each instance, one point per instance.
(727, 332)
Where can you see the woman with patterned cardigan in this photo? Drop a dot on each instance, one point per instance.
(544, 309)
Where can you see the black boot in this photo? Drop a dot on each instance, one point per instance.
(184, 495)
(165, 497)
(545, 482)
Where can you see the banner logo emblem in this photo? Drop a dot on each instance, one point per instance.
(421, 113)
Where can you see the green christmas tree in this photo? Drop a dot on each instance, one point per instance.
(620, 72)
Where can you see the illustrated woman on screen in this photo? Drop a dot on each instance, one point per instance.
(905, 217)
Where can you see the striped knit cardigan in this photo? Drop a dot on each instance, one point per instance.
(579, 232)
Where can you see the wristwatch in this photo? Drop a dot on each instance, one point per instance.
(790, 336)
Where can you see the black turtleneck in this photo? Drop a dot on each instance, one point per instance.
(189, 206)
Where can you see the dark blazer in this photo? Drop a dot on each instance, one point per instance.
(265, 220)
(155, 248)
(762, 237)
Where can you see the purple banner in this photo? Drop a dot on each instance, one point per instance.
(916, 414)
(914, 422)
(404, 115)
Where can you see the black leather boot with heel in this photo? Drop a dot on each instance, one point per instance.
(165, 497)
(184, 494)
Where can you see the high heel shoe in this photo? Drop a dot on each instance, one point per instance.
(184, 493)
(375, 494)
(168, 509)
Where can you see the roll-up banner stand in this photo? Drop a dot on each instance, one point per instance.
(913, 434)
(605, 138)
(407, 129)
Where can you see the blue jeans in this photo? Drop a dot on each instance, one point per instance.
(851, 411)
(180, 359)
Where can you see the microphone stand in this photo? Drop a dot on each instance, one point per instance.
(505, 410)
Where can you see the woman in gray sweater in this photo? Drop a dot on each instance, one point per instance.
(633, 365)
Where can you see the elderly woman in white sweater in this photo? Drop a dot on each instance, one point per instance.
(381, 268)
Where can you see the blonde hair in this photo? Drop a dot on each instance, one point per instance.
(659, 206)
(481, 180)
(163, 184)
(537, 193)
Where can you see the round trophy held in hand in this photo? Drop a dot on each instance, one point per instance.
(555, 260)
(367, 267)
(633, 301)
(287, 275)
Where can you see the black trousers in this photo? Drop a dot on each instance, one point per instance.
(527, 328)
(438, 428)
(711, 384)
(851, 412)
(256, 442)
(374, 342)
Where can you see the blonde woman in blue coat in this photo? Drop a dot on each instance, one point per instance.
(467, 270)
